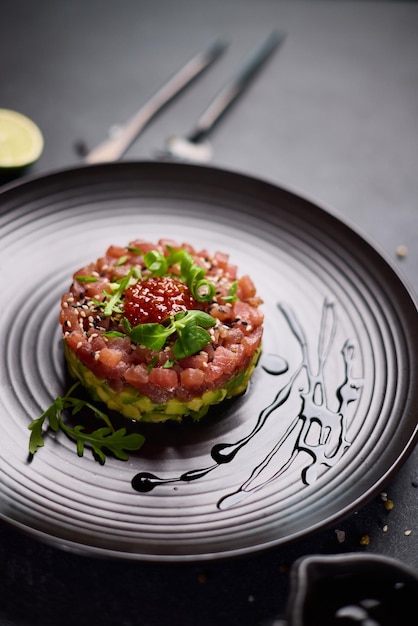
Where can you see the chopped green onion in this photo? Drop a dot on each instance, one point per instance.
(122, 260)
(137, 251)
(231, 297)
(152, 363)
(86, 279)
(156, 263)
(202, 289)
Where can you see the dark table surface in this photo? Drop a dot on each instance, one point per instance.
(334, 115)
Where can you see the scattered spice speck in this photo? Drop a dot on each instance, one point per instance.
(340, 535)
(251, 598)
(365, 540)
(202, 578)
(80, 148)
(389, 504)
(401, 251)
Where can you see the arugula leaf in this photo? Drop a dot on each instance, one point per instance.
(105, 437)
(36, 438)
(113, 303)
(116, 442)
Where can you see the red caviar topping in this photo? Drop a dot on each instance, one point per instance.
(155, 299)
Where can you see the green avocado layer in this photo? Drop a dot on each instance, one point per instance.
(131, 403)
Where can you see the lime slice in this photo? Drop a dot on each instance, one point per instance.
(21, 141)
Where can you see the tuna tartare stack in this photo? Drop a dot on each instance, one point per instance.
(161, 331)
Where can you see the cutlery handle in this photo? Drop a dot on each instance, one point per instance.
(233, 89)
(113, 148)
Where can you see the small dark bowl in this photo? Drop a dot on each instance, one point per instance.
(356, 589)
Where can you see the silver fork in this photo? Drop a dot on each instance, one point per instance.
(116, 145)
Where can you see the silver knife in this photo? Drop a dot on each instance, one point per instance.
(194, 146)
(115, 146)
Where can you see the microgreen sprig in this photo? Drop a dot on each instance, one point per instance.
(100, 440)
(113, 302)
(192, 274)
(190, 328)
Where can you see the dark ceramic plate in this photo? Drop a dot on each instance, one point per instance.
(331, 410)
